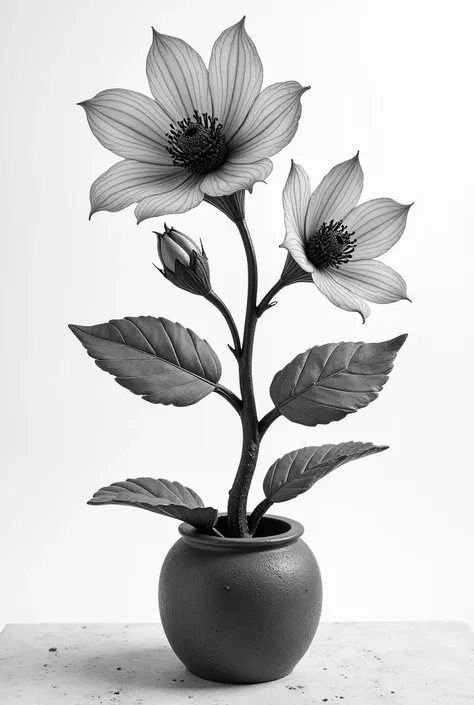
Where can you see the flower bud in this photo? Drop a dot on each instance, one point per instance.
(184, 262)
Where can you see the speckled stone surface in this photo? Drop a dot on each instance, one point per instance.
(398, 663)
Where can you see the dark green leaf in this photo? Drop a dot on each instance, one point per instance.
(329, 381)
(297, 471)
(163, 361)
(159, 496)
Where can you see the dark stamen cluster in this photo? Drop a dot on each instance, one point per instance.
(197, 144)
(330, 246)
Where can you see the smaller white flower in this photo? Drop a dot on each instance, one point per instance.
(336, 241)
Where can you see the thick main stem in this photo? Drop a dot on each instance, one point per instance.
(238, 495)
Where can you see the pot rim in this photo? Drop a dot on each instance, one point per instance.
(295, 530)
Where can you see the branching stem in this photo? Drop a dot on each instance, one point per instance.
(267, 302)
(220, 305)
(267, 420)
(228, 394)
(258, 513)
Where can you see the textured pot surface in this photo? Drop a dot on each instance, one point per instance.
(241, 610)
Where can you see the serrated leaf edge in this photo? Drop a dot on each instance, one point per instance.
(153, 355)
(307, 352)
(342, 460)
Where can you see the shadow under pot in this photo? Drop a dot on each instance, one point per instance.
(241, 610)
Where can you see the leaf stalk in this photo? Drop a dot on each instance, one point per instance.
(228, 394)
(257, 514)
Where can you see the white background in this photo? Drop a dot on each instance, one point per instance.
(393, 533)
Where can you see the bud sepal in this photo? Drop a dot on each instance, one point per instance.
(292, 273)
(194, 278)
(185, 263)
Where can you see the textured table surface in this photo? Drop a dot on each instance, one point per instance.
(392, 663)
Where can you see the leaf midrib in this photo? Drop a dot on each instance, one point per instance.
(295, 396)
(154, 357)
(322, 465)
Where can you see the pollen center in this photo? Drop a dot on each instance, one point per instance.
(197, 144)
(330, 246)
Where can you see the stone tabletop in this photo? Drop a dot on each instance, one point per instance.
(397, 663)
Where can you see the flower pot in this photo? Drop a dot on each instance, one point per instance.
(241, 610)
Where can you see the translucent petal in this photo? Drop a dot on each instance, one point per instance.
(178, 77)
(129, 124)
(231, 177)
(295, 246)
(378, 225)
(335, 196)
(338, 294)
(271, 123)
(235, 77)
(372, 280)
(183, 194)
(296, 194)
(128, 182)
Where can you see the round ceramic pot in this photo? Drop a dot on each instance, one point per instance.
(241, 610)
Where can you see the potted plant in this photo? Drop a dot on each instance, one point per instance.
(240, 592)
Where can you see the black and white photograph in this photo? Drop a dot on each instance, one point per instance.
(237, 292)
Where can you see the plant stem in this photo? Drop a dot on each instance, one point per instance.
(232, 398)
(267, 302)
(258, 513)
(237, 505)
(220, 305)
(267, 420)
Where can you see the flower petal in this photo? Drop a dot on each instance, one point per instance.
(338, 294)
(128, 182)
(231, 177)
(178, 77)
(335, 196)
(378, 225)
(183, 193)
(295, 246)
(296, 195)
(373, 280)
(235, 77)
(270, 124)
(129, 124)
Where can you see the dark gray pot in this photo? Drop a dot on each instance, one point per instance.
(241, 610)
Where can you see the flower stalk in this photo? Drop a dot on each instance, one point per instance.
(266, 303)
(220, 305)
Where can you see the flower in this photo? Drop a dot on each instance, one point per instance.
(207, 132)
(335, 241)
(184, 262)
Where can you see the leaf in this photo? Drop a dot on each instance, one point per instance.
(159, 496)
(163, 361)
(296, 472)
(329, 381)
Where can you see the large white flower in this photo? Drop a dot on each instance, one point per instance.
(335, 240)
(207, 131)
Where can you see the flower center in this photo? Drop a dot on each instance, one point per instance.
(330, 246)
(197, 143)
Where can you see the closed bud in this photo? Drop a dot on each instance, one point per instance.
(184, 262)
